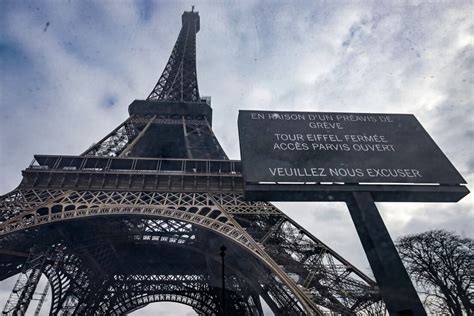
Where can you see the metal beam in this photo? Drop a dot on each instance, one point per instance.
(341, 192)
(397, 290)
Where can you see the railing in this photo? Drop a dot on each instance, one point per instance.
(140, 165)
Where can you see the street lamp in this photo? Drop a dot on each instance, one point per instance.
(222, 254)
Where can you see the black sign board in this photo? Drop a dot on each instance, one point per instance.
(290, 156)
(288, 147)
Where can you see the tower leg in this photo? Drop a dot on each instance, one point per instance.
(25, 286)
(42, 299)
(395, 285)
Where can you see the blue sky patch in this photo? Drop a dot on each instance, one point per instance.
(145, 9)
(110, 101)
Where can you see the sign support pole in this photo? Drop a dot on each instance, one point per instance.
(395, 285)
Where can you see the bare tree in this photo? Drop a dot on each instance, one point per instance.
(375, 309)
(440, 263)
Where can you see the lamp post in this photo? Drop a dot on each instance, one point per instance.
(222, 254)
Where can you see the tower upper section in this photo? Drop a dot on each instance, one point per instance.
(173, 122)
(178, 82)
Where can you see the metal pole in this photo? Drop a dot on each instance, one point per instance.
(222, 254)
(395, 285)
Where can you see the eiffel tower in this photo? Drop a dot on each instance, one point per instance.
(140, 216)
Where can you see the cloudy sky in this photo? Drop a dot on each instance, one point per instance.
(69, 69)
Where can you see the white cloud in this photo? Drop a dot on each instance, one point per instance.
(411, 57)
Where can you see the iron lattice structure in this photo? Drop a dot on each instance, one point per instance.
(139, 217)
(178, 82)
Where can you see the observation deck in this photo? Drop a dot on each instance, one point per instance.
(133, 174)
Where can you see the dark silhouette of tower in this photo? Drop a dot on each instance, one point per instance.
(141, 216)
